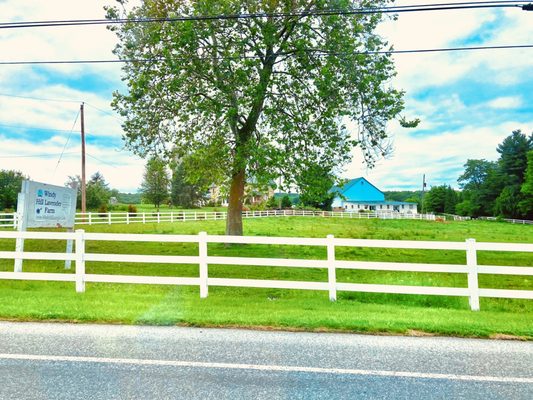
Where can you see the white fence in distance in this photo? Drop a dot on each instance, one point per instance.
(81, 257)
(9, 220)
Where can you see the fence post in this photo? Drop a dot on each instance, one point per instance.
(128, 218)
(144, 218)
(80, 261)
(471, 262)
(109, 218)
(90, 218)
(202, 252)
(332, 279)
(172, 216)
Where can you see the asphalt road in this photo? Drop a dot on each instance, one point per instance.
(65, 361)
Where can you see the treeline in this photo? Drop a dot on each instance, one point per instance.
(502, 188)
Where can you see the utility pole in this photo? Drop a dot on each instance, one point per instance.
(83, 193)
(423, 190)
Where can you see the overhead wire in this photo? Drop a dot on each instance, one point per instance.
(308, 13)
(242, 57)
(66, 143)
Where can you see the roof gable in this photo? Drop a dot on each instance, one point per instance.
(360, 189)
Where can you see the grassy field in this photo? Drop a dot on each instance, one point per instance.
(285, 309)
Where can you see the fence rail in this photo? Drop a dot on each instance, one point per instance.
(9, 220)
(81, 256)
(512, 221)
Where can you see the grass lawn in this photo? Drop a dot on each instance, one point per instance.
(285, 309)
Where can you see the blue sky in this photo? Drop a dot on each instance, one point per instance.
(468, 101)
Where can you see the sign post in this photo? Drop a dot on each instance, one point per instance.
(41, 205)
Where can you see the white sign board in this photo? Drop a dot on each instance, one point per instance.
(48, 206)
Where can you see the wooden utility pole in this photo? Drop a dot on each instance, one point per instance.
(423, 190)
(83, 194)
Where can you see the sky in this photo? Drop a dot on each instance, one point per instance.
(468, 102)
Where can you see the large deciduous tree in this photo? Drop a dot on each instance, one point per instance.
(252, 96)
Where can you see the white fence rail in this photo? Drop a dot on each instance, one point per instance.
(512, 221)
(8, 220)
(81, 256)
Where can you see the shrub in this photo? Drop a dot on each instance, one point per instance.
(132, 210)
(102, 210)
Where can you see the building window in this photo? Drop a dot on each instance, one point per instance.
(388, 207)
(403, 206)
(352, 206)
(410, 206)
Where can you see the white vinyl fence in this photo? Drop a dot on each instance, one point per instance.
(81, 257)
(9, 220)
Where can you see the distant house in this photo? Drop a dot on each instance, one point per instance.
(359, 195)
(253, 194)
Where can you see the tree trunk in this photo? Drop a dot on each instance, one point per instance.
(236, 197)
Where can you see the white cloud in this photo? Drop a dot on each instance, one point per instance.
(121, 170)
(508, 102)
(440, 157)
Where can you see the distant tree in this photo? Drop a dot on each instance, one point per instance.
(74, 182)
(97, 192)
(513, 156)
(526, 205)
(507, 202)
(286, 202)
(441, 199)
(482, 183)
(10, 185)
(154, 187)
(184, 193)
(315, 182)
(129, 198)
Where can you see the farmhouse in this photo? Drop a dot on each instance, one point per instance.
(359, 195)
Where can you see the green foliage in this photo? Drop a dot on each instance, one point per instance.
(315, 182)
(287, 103)
(129, 198)
(526, 205)
(97, 191)
(154, 187)
(286, 202)
(441, 199)
(495, 188)
(132, 210)
(513, 156)
(10, 185)
(184, 193)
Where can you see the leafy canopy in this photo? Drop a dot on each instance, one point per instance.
(255, 94)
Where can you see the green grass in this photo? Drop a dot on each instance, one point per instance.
(285, 309)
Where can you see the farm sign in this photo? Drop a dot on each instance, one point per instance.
(47, 206)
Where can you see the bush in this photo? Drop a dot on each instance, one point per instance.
(132, 210)
(286, 202)
(102, 210)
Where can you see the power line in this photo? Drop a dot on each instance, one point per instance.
(104, 112)
(318, 52)
(309, 13)
(102, 161)
(66, 143)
